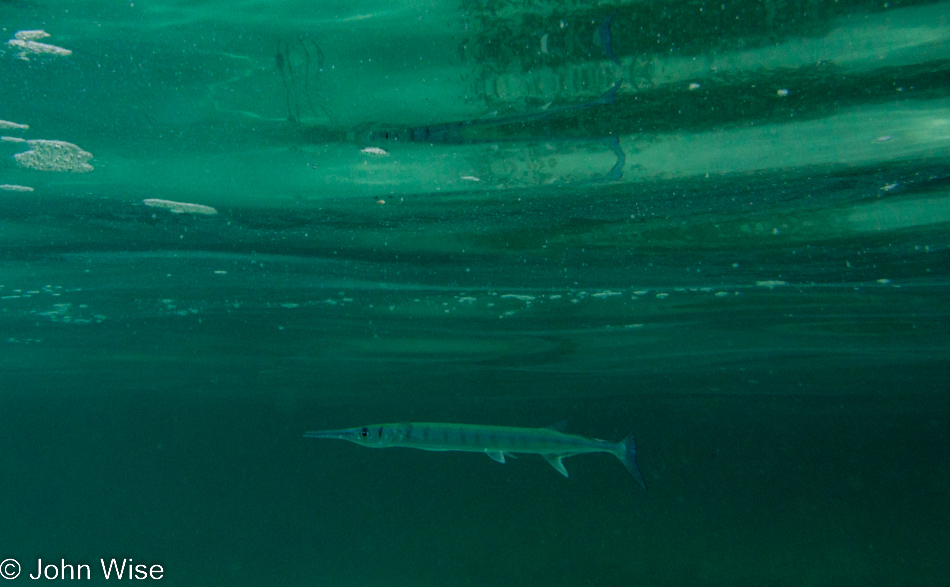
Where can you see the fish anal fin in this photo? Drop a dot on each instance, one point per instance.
(496, 455)
(555, 461)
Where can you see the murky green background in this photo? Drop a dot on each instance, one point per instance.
(724, 226)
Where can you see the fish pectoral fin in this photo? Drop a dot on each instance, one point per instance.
(555, 461)
(496, 455)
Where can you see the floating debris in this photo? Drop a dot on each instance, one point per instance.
(5, 124)
(782, 93)
(770, 283)
(470, 178)
(38, 49)
(374, 151)
(31, 35)
(180, 207)
(694, 86)
(26, 41)
(15, 188)
(54, 156)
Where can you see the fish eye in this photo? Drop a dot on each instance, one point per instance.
(364, 432)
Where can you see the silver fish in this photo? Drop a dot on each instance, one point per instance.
(480, 130)
(495, 441)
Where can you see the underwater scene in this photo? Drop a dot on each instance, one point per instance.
(274, 272)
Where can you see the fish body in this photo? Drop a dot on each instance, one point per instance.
(483, 129)
(495, 441)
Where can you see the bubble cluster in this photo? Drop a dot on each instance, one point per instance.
(26, 41)
(7, 125)
(45, 155)
(179, 207)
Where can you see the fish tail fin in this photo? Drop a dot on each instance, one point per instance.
(610, 95)
(628, 456)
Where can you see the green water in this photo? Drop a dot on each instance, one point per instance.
(723, 226)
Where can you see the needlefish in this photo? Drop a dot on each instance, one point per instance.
(482, 130)
(496, 441)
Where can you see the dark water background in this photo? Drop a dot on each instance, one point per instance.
(742, 254)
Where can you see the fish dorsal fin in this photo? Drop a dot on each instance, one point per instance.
(555, 461)
(560, 426)
(496, 455)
